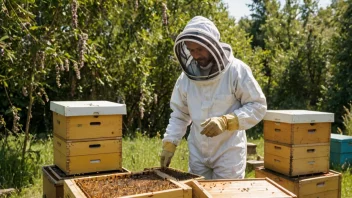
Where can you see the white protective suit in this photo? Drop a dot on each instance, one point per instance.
(233, 90)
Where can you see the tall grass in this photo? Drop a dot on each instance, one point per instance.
(138, 153)
(15, 173)
(142, 152)
(347, 121)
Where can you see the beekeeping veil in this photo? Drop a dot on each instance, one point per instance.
(202, 31)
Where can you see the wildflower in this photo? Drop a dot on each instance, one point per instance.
(74, 14)
(136, 5)
(67, 65)
(164, 16)
(78, 73)
(24, 91)
(82, 43)
(58, 76)
(16, 119)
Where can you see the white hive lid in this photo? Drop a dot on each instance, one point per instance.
(298, 116)
(84, 108)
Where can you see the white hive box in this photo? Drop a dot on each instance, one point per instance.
(76, 120)
(297, 126)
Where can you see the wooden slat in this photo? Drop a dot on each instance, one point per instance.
(71, 190)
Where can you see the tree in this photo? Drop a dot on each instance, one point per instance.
(339, 91)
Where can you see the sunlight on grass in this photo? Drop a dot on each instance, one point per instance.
(143, 152)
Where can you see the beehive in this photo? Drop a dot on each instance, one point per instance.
(297, 126)
(224, 188)
(293, 160)
(326, 185)
(76, 157)
(53, 180)
(75, 120)
(341, 150)
(142, 185)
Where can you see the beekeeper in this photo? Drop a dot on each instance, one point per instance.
(218, 94)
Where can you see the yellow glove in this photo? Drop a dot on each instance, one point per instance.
(166, 154)
(216, 125)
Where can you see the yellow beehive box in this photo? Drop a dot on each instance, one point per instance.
(74, 120)
(293, 160)
(77, 157)
(223, 188)
(297, 126)
(327, 185)
(142, 185)
(53, 180)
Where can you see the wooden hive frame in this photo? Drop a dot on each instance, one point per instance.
(165, 175)
(53, 179)
(239, 188)
(72, 190)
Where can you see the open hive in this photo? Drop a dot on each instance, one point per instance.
(53, 179)
(223, 188)
(141, 184)
(175, 174)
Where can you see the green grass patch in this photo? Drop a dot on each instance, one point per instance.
(138, 153)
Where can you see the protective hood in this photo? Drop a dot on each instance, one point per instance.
(202, 31)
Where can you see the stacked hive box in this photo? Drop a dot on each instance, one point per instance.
(341, 150)
(87, 137)
(297, 145)
(297, 142)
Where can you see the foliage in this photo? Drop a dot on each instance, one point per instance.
(111, 50)
(347, 121)
(338, 89)
(294, 52)
(14, 174)
(122, 51)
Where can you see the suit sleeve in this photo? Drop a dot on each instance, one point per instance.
(179, 118)
(249, 93)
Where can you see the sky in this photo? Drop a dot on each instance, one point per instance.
(238, 8)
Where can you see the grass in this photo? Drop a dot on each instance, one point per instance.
(27, 177)
(142, 152)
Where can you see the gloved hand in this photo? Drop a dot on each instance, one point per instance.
(216, 125)
(166, 154)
